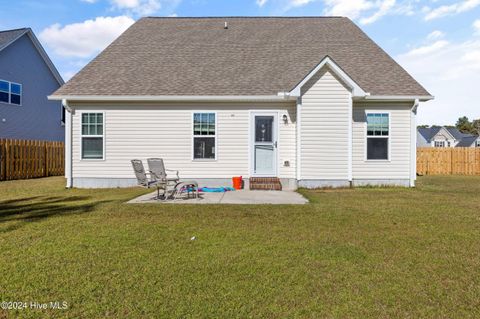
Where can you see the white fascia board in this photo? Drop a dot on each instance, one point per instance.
(175, 98)
(397, 98)
(443, 129)
(356, 90)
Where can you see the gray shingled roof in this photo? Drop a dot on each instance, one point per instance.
(7, 36)
(254, 56)
(429, 132)
(467, 141)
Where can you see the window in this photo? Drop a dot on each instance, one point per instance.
(92, 136)
(439, 143)
(204, 136)
(378, 132)
(10, 92)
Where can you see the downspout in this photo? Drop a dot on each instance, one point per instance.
(68, 144)
(299, 140)
(413, 142)
(350, 140)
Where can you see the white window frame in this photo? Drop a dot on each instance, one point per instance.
(193, 136)
(389, 136)
(442, 143)
(102, 136)
(10, 93)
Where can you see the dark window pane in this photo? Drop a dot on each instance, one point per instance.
(3, 97)
(16, 88)
(85, 118)
(4, 86)
(15, 99)
(204, 148)
(263, 128)
(92, 147)
(377, 148)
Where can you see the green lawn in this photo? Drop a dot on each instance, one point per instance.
(360, 253)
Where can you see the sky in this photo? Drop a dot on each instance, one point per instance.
(436, 41)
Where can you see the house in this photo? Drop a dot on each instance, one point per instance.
(27, 77)
(312, 101)
(445, 136)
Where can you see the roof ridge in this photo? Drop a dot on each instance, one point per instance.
(248, 17)
(18, 29)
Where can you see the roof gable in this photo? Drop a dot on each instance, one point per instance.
(255, 56)
(9, 37)
(332, 66)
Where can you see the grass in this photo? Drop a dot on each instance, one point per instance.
(359, 253)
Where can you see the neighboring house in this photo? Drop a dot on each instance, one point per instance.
(444, 136)
(312, 101)
(27, 77)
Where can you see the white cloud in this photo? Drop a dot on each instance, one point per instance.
(437, 34)
(86, 38)
(451, 72)
(427, 49)
(367, 11)
(451, 9)
(299, 3)
(476, 26)
(261, 3)
(385, 7)
(350, 8)
(141, 7)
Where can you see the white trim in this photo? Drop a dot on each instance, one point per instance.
(381, 136)
(299, 139)
(350, 138)
(445, 130)
(327, 61)
(200, 160)
(103, 136)
(251, 142)
(175, 98)
(392, 98)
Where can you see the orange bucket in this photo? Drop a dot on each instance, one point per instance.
(237, 182)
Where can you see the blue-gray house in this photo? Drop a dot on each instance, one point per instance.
(27, 77)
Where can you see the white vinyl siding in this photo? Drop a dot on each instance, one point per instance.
(165, 130)
(398, 165)
(325, 126)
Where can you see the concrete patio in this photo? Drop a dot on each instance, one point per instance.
(245, 197)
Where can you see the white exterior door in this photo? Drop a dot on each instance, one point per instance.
(264, 144)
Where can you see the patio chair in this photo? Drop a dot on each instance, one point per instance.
(158, 171)
(143, 180)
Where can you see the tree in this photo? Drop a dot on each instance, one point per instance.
(476, 126)
(464, 125)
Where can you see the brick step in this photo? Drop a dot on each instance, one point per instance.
(265, 183)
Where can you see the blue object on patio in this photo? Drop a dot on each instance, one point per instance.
(216, 189)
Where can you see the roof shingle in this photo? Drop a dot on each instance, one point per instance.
(254, 56)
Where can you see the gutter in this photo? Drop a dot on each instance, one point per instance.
(420, 98)
(281, 97)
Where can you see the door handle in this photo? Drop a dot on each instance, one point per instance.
(275, 144)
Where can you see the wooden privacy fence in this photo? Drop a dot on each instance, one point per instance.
(21, 159)
(448, 161)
